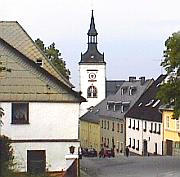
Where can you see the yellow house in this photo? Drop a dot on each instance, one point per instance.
(90, 134)
(171, 131)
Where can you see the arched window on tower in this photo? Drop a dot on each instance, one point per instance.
(92, 92)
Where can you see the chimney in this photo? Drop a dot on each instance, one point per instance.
(131, 79)
(142, 79)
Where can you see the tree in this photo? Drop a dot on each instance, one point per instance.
(170, 91)
(54, 57)
(6, 156)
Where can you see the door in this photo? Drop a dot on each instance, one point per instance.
(169, 144)
(145, 147)
(36, 161)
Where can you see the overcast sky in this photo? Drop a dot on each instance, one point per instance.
(131, 33)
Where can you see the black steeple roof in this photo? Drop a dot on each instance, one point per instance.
(92, 31)
(92, 55)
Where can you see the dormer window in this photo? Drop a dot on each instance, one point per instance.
(117, 106)
(125, 106)
(149, 103)
(124, 90)
(110, 105)
(39, 62)
(132, 90)
(156, 103)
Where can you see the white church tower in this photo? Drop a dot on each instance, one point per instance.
(92, 68)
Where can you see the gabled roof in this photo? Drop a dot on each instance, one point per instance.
(17, 37)
(112, 86)
(100, 110)
(27, 81)
(147, 106)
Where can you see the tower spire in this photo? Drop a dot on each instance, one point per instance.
(92, 31)
(92, 55)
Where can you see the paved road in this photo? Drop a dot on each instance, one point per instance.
(134, 166)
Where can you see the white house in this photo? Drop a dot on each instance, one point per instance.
(41, 109)
(144, 131)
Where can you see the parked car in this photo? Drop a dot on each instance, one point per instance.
(89, 152)
(84, 152)
(108, 153)
(92, 153)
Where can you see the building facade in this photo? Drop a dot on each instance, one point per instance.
(41, 109)
(109, 115)
(144, 131)
(92, 72)
(171, 131)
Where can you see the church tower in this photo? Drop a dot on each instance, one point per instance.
(92, 68)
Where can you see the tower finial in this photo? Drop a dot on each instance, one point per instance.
(92, 31)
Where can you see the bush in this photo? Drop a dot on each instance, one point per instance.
(6, 156)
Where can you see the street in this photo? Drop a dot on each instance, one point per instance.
(134, 166)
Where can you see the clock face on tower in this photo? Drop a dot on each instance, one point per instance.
(92, 76)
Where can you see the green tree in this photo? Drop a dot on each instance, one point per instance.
(6, 156)
(54, 57)
(170, 91)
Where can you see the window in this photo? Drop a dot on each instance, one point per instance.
(117, 106)
(129, 123)
(92, 92)
(151, 128)
(129, 142)
(137, 126)
(36, 161)
(167, 122)
(105, 124)
(137, 145)
(102, 139)
(20, 113)
(132, 90)
(145, 126)
(133, 144)
(134, 125)
(177, 145)
(177, 124)
(121, 128)
(155, 126)
(117, 127)
(102, 124)
(108, 125)
(108, 142)
(110, 105)
(112, 126)
(39, 62)
(159, 131)
(149, 103)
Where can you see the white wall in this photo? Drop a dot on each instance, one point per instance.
(140, 135)
(46, 121)
(99, 84)
(55, 154)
